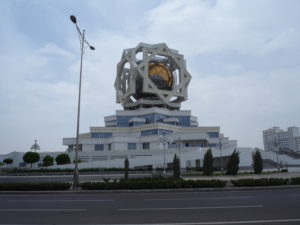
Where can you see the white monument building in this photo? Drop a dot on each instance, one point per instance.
(151, 84)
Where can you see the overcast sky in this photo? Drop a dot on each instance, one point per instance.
(244, 58)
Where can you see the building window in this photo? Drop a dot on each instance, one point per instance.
(213, 134)
(184, 121)
(131, 146)
(149, 132)
(99, 147)
(146, 145)
(109, 147)
(122, 121)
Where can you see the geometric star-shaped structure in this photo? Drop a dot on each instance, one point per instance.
(151, 75)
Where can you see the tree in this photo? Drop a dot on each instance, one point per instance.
(176, 167)
(233, 163)
(8, 161)
(62, 159)
(78, 161)
(257, 162)
(208, 168)
(48, 160)
(31, 157)
(126, 168)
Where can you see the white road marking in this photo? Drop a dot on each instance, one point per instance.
(206, 223)
(61, 200)
(204, 198)
(42, 210)
(189, 208)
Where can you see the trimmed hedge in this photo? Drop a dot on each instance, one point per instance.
(34, 186)
(259, 182)
(152, 183)
(295, 180)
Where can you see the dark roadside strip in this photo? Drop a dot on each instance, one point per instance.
(151, 185)
(232, 189)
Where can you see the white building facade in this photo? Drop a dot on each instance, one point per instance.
(275, 138)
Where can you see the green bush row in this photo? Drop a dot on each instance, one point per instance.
(31, 186)
(259, 182)
(295, 180)
(166, 183)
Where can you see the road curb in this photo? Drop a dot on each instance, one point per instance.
(227, 189)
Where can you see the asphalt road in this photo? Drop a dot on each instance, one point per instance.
(202, 208)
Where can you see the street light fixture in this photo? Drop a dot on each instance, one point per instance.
(83, 42)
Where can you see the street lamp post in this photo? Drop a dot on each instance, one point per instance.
(83, 42)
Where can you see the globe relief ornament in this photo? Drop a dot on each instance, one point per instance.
(151, 75)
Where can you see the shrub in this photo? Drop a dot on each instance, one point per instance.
(208, 168)
(257, 162)
(48, 160)
(62, 159)
(106, 180)
(126, 167)
(259, 182)
(295, 180)
(176, 167)
(78, 161)
(233, 164)
(152, 183)
(8, 161)
(31, 157)
(30, 186)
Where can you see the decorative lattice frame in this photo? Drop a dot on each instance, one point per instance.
(130, 67)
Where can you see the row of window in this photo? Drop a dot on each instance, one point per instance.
(130, 146)
(122, 121)
(143, 133)
(146, 145)
(147, 133)
(155, 132)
